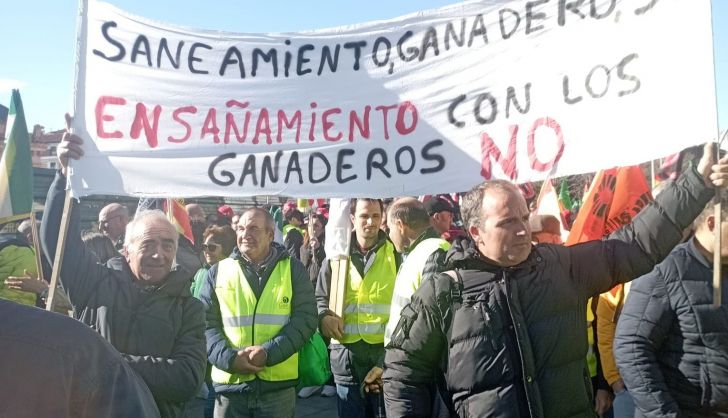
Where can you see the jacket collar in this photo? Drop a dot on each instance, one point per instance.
(465, 255)
(426, 234)
(277, 253)
(381, 240)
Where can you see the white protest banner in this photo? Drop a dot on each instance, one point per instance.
(431, 102)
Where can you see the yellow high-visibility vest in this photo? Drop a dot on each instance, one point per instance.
(288, 227)
(409, 279)
(248, 321)
(367, 300)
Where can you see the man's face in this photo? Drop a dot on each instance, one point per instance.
(195, 213)
(235, 220)
(112, 223)
(504, 234)
(366, 219)
(254, 238)
(151, 253)
(441, 221)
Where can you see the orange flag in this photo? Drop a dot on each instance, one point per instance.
(613, 200)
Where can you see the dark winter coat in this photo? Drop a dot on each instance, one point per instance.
(84, 375)
(158, 329)
(671, 344)
(513, 341)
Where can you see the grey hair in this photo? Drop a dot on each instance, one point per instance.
(143, 218)
(471, 206)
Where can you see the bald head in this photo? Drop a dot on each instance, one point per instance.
(410, 211)
(113, 219)
(195, 212)
(407, 219)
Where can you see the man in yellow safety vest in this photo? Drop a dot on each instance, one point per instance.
(359, 352)
(260, 311)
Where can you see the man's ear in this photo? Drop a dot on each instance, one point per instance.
(351, 217)
(474, 232)
(710, 221)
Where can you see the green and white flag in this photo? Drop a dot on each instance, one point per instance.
(16, 168)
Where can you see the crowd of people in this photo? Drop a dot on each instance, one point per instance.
(468, 307)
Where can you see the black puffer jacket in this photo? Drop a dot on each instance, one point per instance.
(159, 330)
(671, 344)
(518, 340)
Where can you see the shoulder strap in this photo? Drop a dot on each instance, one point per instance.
(456, 297)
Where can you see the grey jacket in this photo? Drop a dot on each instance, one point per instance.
(158, 330)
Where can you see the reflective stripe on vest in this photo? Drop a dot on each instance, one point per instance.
(409, 279)
(248, 321)
(367, 300)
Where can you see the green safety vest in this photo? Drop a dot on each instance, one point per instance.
(288, 227)
(367, 300)
(248, 321)
(409, 279)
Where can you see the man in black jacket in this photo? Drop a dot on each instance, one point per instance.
(84, 376)
(671, 344)
(138, 303)
(504, 330)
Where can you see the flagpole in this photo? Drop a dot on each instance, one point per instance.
(717, 236)
(60, 250)
(717, 206)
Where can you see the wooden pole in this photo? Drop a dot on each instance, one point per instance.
(60, 249)
(717, 241)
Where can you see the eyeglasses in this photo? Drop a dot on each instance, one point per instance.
(210, 247)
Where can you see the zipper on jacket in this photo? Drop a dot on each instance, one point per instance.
(524, 378)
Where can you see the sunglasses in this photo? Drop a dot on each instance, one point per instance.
(209, 247)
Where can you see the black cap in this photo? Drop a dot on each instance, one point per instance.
(438, 204)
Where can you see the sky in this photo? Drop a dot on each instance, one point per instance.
(37, 38)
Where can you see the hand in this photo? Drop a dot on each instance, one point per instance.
(602, 402)
(314, 244)
(618, 386)
(26, 283)
(70, 147)
(257, 355)
(332, 326)
(715, 174)
(373, 380)
(242, 364)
